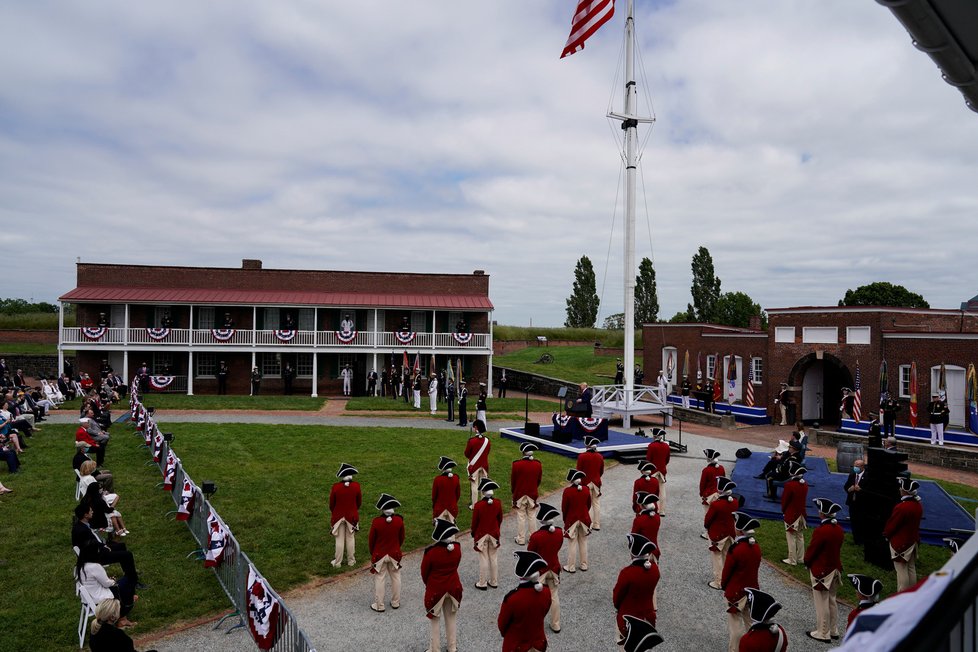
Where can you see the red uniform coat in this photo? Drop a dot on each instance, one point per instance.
(386, 538)
(902, 529)
(658, 453)
(760, 638)
(472, 449)
(82, 435)
(648, 484)
(525, 477)
(719, 520)
(439, 572)
(740, 569)
(591, 463)
(344, 502)
(547, 544)
(824, 553)
(632, 595)
(487, 516)
(575, 505)
(647, 524)
(521, 618)
(445, 493)
(793, 500)
(708, 480)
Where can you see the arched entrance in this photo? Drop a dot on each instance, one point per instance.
(821, 378)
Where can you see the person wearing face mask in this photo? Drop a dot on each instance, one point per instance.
(344, 505)
(575, 507)
(384, 541)
(853, 488)
(487, 517)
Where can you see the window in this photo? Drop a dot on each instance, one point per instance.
(270, 320)
(303, 365)
(418, 321)
(205, 317)
(820, 335)
(857, 335)
(344, 359)
(162, 364)
(711, 363)
(904, 381)
(757, 366)
(453, 318)
(270, 364)
(205, 364)
(784, 334)
(307, 319)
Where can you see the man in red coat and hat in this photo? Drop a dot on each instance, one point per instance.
(591, 463)
(546, 542)
(442, 586)
(575, 506)
(477, 453)
(487, 517)
(524, 608)
(902, 530)
(645, 482)
(658, 453)
(869, 590)
(740, 574)
(824, 561)
(708, 479)
(634, 591)
(384, 541)
(446, 490)
(344, 506)
(719, 524)
(764, 635)
(794, 497)
(647, 521)
(524, 480)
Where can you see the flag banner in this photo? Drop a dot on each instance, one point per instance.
(857, 403)
(699, 365)
(670, 366)
(686, 364)
(157, 446)
(449, 373)
(913, 394)
(93, 333)
(884, 383)
(590, 424)
(217, 541)
(406, 363)
(345, 337)
(169, 470)
(972, 396)
(263, 611)
(717, 385)
(417, 364)
(158, 334)
(432, 366)
(188, 496)
(160, 382)
(750, 385)
(562, 419)
(223, 334)
(458, 372)
(285, 335)
(405, 338)
(149, 431)
(462, 338)
(589, 16)
(942, 383)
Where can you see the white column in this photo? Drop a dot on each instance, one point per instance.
(125, 366)
(374, 368)
(125, 334)
(61, 330)
(190, 373)
(190, 327)
(489, 381)
(315, 375)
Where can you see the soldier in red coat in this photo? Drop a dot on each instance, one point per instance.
(719, 524)
(764, 635)
(442, 586)
(634, 591)
(646, 482)
(487, 517)
(708, 479)
(647, 521)
(659, 453)
(869, 590)
(793, 500)
(477, 453)
(640, 635)
(524, 479)
(740, 574)
(902, 530)
(385, 540)
(546, 542)
(344, 507)
(445, 491)
(591, 462)
(575, 506)
(524, 608)
(824, 561)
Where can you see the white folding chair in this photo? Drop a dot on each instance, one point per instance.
(87, 612)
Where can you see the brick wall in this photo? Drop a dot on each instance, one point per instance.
(21, 336)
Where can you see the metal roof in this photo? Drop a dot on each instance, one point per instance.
(947, 31)
(213, 296)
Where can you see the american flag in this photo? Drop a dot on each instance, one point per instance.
(857, 397)
(750, 385)
(588, 18)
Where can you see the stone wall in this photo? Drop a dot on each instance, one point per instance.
(946, 456)
(34, 366)
(518, 381)
(725, 421)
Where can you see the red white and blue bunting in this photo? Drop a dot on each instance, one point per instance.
(188, 496)
(263, 611)
(158, 334)
(169, 471)
(223, 334)
(462, 338)
(562, 420)
(285, 335)
(93, 333)
(216, 543)
(405, 338)
(590, 424)
(160, 382)
(346, 337)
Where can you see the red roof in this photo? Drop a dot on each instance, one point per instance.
(273, 297)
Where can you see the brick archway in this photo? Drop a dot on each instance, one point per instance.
(819, 381)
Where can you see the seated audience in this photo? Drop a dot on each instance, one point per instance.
(90, 575)
(106, 634)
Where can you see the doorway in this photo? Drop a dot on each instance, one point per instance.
(821, 379)
(955, 376)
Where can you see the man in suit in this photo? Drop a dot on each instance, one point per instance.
(288, 375)
(108, 553)
(450, 400)
(853, 488)
(463, 394)
(222, 378)
(372, 383)
(619, 372)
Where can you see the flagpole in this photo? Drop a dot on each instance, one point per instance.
(630, 125)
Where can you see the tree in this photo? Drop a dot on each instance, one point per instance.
(882, 293)
(705, 288)
(646, 296)
(615, 322)
(582, 306)
(681, 317)
(736, 309)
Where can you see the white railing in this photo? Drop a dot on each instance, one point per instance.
(174, 336)
(616, 394)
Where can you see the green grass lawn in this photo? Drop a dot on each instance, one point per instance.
(228, 402)
(571, 363)
(497, 407)
(277, 506)
(610, 338)
(28, 348)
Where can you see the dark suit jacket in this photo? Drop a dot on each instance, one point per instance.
(852, 497)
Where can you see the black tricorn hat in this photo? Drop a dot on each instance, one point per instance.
(387, 501)
(479, 426)
(528, 563)
(639, 546)
(658, 433)
(826, 506)
(443, 530)
(866, 585)
(725, 484)
(487, 484)
(762, 606)
(646, 465)
(908, 485)
(591, 442)
(711, 454)
(528, 447)
(446, 463)
(640, 635)
(574, 474)
(346, 469)
(745, 523)
(645, 498)
(546, 512)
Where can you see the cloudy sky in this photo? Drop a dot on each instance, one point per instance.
(806, 143)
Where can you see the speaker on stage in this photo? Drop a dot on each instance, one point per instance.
(531, 429)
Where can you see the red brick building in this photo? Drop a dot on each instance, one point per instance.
(816, 350)
(316, 321)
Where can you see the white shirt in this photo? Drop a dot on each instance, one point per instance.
(96, 582)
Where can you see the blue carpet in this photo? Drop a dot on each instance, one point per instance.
(941, 513)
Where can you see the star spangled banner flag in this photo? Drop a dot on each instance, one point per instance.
(857, 403)
(264, 612)
(188, 496)
(588, 18)
(913, 394)
(216, 543)
(750, 385)
(169, 471)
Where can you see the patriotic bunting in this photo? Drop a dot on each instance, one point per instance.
(158, 334)
(263, 611)
(216, 543)
(346, 337)
(589, 16)
(285, 335)
(750, 384)
(405, 338)
(169, 471)
(223, 334)
(462, 338)
(157, 446)
(590, 424)
(562, 420)
(160, 382)
(93, 333)
(188, 497)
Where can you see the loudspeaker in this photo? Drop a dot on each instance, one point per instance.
(531, 429)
